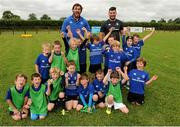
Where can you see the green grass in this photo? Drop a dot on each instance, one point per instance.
(161, 99)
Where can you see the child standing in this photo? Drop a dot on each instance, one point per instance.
(138, 78)
(42, 64)
(114, 95)
(86, 94)
(37, 100)
(56, 58)
(17, 97)
(57, 89)
(71, 85)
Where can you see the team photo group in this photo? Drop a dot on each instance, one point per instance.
(89, 74)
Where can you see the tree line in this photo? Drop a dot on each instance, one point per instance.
(10, 20)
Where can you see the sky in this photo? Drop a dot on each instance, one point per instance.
(127, 10)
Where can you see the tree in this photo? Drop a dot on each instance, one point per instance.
(170, 21)
(177, 20)
(153, 21)
(7, 15)
(162, 20)
(32, 16)
(45, 17)
(16, 17)
(62, 18)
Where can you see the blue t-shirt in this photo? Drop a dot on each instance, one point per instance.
(99, 86)
(71, 89)
(74, 25)
(106, 56)
(9, 96)
(131, 53)
(137, 81)
(116, 59)
(96, 56)
(44, 65)
(86, 91)
(82, 52)
(138, 47)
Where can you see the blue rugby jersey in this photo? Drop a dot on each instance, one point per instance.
(71, 89)
(137, 81)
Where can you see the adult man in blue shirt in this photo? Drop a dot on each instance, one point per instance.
(75, 22)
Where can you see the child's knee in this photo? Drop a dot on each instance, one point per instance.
(79, 107)
(16, 117)
(110, 99)
(95, 97)
(101, 105)
(50, 106)
(61, 95)
(42, 117)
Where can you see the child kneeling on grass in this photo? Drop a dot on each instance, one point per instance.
(138, 79)
(17, 97)
(114, 96)
(86, 95)
(57, 89)
(37, 100)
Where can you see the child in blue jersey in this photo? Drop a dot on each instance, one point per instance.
(100, 89)
(71, 85)
(42, 64)
(137, 43)
(106, 50)
(86, 94)
(57, 89)
(17, 97)
(114, 95)
(82, 49)
(96, 48)
(138, 78)
(116, 56)
(37, 100)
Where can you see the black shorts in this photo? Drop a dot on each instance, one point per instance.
(72, 97)
(133, 97)
(94, 67)
(55, 101)
(100, 99)
(83, 68)
(105, 70)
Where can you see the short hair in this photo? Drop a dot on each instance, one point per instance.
(112, 36)
(77, 5)
(71, 62)
(57, 42)
(46, 45)
(84, 76)
(112, 9)
(54, 70)
(136, 35)
(35, 75)
(129, 37)
(141, 59)
(114, 74)
(115, 43)
(21, 76)
(99, 71)
(94, 37)
(73, 39)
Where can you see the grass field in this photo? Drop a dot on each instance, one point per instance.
(161, 99)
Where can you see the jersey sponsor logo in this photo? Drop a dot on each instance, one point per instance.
(138, 80)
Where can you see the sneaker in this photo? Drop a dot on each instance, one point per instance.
(63, 112)
(108, 111)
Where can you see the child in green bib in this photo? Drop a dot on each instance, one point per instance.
(56, 58)
(57, 89)
(37, 101)
(114, 95)
(17, 97)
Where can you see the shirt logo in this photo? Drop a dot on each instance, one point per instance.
(109, 24)
(134, 74)
(70, 22)
(81, 23)
(117, 24)
(143, 76)
(43, 61)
